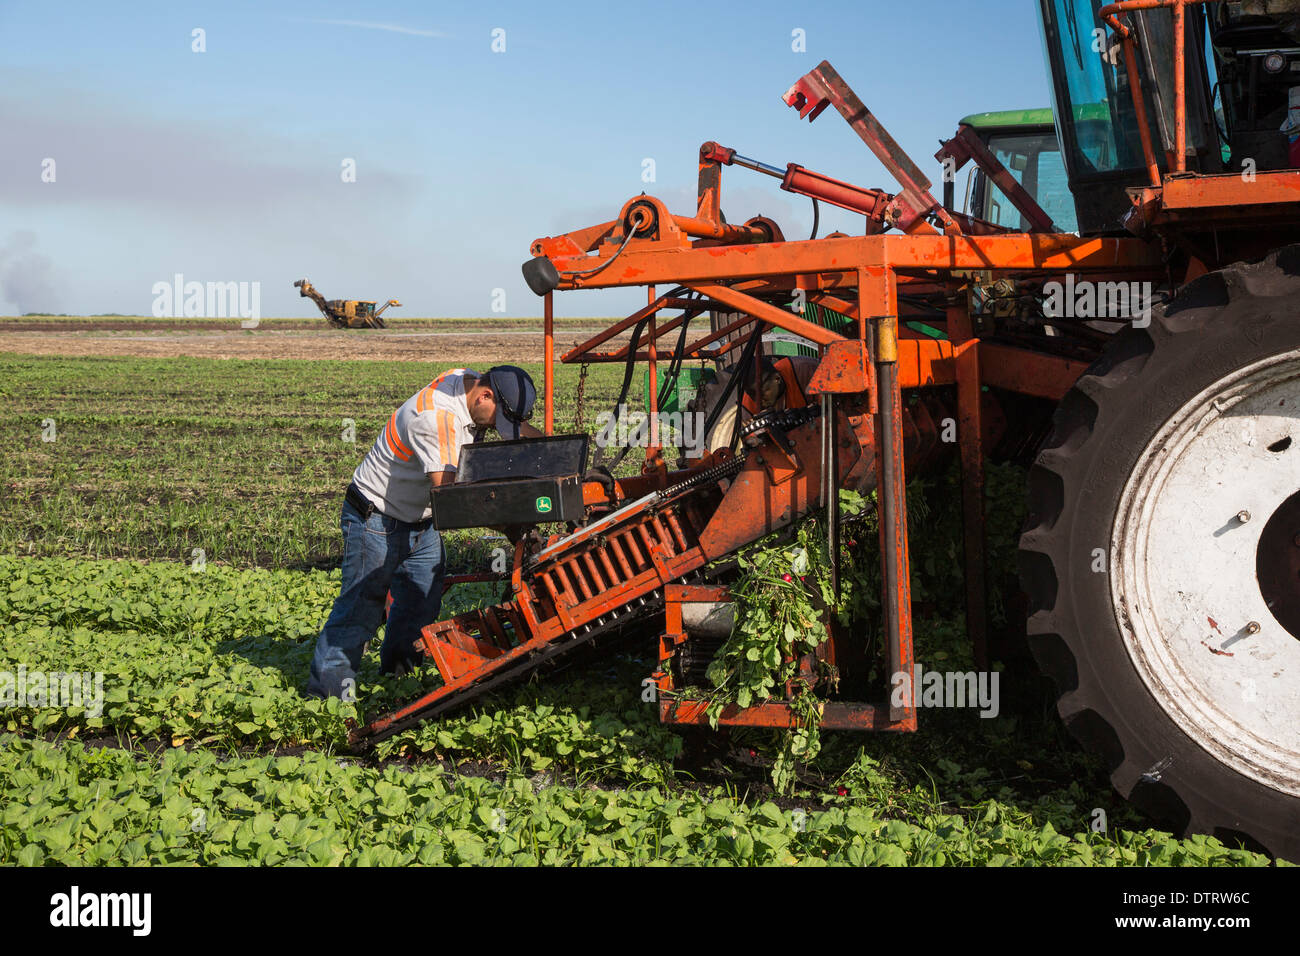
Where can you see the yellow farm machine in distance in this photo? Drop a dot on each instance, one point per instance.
(346, 313)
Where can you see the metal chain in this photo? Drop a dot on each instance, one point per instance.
(582, 389)
(785, 419)
(710, 475)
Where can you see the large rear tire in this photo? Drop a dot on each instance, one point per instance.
(1161, 558)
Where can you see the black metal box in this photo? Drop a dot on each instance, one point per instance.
(488, 504)
(552, 456)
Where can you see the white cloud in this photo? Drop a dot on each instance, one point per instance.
(390, 27)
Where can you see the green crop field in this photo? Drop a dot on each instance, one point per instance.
(173, 525)
(243, 460)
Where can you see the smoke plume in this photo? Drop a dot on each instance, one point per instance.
(26, 276)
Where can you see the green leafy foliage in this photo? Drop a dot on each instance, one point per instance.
(784, 600)
(214, 657)
(73, 806)
(584, 726)
(213, 663)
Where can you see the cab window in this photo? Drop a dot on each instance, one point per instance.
(1035, 161)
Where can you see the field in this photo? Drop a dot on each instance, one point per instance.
(244, 460)
(493, 341)
(171, 520)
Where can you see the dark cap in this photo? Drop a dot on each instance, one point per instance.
(515, 394)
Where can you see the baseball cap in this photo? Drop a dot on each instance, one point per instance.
(515, 394)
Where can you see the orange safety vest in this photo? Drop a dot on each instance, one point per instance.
(446, 426)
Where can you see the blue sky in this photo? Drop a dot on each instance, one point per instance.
(225, 165)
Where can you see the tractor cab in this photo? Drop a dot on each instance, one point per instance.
(359, 315)
(1102, 127)
(1024, 141)
(1255, 76)
(1234, 71)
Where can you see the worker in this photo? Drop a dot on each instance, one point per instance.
(783, 384)
(388, 541)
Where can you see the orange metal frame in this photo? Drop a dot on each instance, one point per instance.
(1267, 198)
(647, 548)
(729, 268)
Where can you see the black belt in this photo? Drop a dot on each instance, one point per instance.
(367, 507)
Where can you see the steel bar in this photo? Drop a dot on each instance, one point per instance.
(879, 295)
(614, 330)
(1180, 91)
(777, 714)
(690, 308)
(970, 438)
(590, 564)
(756, 166)
(967, 145)
(1110, 14)
(702, 229)
(548, 345)
(653, 391)
(830, 489)
(768, 313)
(614, 579)
(893, 530)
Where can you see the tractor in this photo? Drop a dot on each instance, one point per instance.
(1119, 294)
(346, 313)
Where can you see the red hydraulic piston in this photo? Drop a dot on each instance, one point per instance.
(796, 179)
(702, 229)
(805, 182)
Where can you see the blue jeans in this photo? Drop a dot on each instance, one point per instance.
(380, 555)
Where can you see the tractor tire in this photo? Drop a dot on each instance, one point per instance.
(1161, 558)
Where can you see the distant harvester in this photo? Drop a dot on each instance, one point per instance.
(346, 313)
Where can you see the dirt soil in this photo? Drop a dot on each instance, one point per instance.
(497, 346)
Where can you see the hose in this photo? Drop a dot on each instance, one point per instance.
(630, 365)
(628, 368)
(742, 367)
(606, 263)
(675, 364)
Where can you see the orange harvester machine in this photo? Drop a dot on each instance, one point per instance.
(647, 550)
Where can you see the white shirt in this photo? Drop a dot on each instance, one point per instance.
(425, 434)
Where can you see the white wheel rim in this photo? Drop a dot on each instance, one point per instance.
(1181, 559)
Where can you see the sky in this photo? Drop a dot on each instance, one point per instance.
(227, 164)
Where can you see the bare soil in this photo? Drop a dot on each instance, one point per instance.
(108, 339)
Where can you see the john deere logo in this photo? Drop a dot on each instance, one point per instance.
(543, 504)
